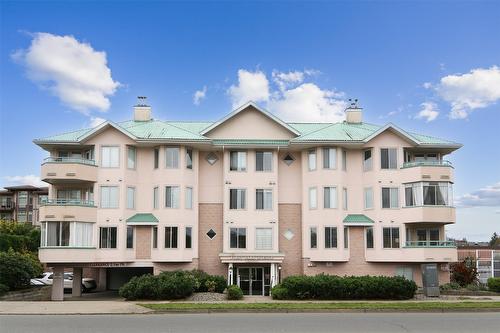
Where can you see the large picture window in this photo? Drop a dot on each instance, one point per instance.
(172, 196)
(388, 158)
(390, 197)
(110, 157)
(107, 238)
(428, 194)
(109, 196)
(172, 157)
(330, 197)
(263, 238)
(391, 238)
(76, 234)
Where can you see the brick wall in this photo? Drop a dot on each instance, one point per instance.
(290, 219)
(210, 217)
(142, 242)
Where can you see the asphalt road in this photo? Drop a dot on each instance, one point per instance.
(255, 322)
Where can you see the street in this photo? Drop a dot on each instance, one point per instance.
(255, 322)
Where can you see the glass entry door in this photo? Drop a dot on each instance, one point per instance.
(251, 280)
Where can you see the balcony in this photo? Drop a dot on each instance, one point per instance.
(428, 214)
(438, 251)
(413, 164)
(68, 210)
(68, 170)
(430, 244)
(433, 171)
(7, 206)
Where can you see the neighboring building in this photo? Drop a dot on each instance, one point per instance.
(21, 203)
(486, 259)
(250, 197)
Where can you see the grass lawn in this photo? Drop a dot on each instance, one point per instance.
(308, 306)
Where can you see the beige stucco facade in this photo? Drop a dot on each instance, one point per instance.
(196, 226)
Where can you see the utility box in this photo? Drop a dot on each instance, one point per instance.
(430, 280)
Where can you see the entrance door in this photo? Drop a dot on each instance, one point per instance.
(251, 280)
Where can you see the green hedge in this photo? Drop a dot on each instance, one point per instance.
(171, 285)
(332, 287)
(494, 284)
(21, 237)
(16, 269)
(234, 293)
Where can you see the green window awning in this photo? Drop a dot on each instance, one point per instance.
(358, 220)
(142, 219)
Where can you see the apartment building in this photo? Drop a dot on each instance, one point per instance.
(250, 197)
(485, 258)
(21, 203)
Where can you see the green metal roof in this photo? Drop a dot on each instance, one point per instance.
(358, 219)
(141, 218)
(257, 142)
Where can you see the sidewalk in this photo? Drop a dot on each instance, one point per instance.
(72, 307)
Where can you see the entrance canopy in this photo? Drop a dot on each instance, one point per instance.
(142, 219)
(249, 258)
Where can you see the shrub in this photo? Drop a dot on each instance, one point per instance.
(205, 282)
(234, 292)
(449, 286)
(21, 237)
(3, 289)
(464, 272)
(494, 284)
(166, 285)
(16, 269)
(329, 287)
(472, 287)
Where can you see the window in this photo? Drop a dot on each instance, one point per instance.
(211, 158)
(368, 198)
(313, 237)
(131, 197)
(237, 238)
(406, 272)
(22, 216)
(263, 199)
(390, 197)
(238, 161)
(344, 198)
(388, 158)
(109, 196)
(107, 238)
(330, 237)
(77, 234)
(263, 161)
(428, 193)
(189, 158)
(391, 238)
(189, 198)
(110, 157)
(22, 199)
(211, 234)
(329, 158)
(155, 237)
(156, 158)
(288, 159)
(369, 237)
(237, 198)
(311, 160)
(131, 157)
(170, 237)
(172, 196)
(263, 238)
(313, 198)
(130, 237)
(172, 157)
(346, 237)
(330, 197)
(344, 160)
(156, 198)
(367, 160)
(189, 232)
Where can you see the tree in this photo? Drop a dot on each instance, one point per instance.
(464, 272)
(21, 237)
(495, 240)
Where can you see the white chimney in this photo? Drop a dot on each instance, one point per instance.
(142, 111)
(353, 113)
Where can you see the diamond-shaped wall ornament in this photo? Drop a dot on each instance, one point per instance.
(211, 233)
(211, 158)
(288, 234)
(288, 159)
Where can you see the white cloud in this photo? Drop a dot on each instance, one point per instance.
(486, 196)
(429, 111)
(199, 95)
(25, 180)
(427, 85)
(252, 86)
(96, 121)
(293, 100)
(73, 71)
(466, 92)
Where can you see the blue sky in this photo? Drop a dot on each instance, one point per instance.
(436, 59)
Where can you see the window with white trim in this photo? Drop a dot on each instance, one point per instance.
(390, 197)
(238, 161)
(172, 157)
(429, 194)
(156, 198)
(313, 198)
(189, 198)
(344, 160)
(367, 160)
(313, 237)
(263, 238)
(344, 198)
(189, 158)
(330, 197)
(107, 237)
(237, 238)
(156, 158)
(391, 238)
(171, 237)
(131, 157)
(155, 237)
(130, 197)
(368, 198)
(330, 237)
(388, 158)
(110, 157)
(369, 237)
(264, 161)
(263, 199)
(346, 237)
(329, 158)
(63, 233)
(172, 196)
(109, 196)
(130, 237)
(311, 159)
(237, 198)
(189, 237)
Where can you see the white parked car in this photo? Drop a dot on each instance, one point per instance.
(45, 279)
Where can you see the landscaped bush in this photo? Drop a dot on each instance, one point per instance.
(3, 289)
(234, 293)
(329, 287)
(449, 286)
(464, 272)
(21, 237)
(16, 269)
(171, 285)
(494, 284)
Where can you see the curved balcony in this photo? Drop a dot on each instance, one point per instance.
(427, 171)
(428, 214)
(431, 244)
(68, 210)
(440, 251)
(68, 170)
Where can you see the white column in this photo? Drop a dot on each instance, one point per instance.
(273, 275)
(492, 263)
(230, 274)
(58, 284)
(77, 282)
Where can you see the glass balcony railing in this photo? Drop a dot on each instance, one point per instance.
(426, 163)
(67, 202)
(69, 160)
(430, 244)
